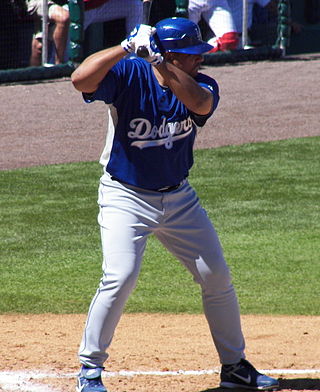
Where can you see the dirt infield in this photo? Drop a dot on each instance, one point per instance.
(162, 343)
(47, 123)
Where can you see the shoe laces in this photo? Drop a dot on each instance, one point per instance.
(94, 382)
(241, 365)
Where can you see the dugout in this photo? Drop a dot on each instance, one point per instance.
(16, 34)
(307, 13)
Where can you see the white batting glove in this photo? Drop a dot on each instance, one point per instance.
(155, 57)
(142, 39)
(128, 44)
(148, 42)
(139, 36)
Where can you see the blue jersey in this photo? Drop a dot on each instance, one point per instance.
(151, 133)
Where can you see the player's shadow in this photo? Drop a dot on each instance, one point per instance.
(297, 384)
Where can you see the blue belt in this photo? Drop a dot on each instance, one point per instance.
(168, 188)
(164, 189)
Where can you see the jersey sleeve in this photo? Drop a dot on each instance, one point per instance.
(210, 84)
(113, 83)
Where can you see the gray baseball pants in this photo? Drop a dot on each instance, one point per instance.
(127, 216)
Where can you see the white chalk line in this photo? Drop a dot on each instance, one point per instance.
(24, 381)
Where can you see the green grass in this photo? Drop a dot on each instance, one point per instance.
(263, 198)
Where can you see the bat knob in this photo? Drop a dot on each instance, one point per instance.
(142, 51)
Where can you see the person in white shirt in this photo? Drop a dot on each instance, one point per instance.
(219, 19)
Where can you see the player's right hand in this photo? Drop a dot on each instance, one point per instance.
(144, 39)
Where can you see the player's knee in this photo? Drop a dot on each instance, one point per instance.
(214, 277)
(228, 41)
(122, 280)
(60, 16)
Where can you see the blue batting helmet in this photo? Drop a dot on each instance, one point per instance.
(181, 35)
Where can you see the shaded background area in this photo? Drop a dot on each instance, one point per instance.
(48, 122)
(17, 27)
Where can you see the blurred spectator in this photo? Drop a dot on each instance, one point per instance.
(262, 20)
(95, 11)
(218, 16)
(98, 11)
(264, 26)
(236, 7)
(58, 17)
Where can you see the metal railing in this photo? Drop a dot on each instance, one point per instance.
(45, 33)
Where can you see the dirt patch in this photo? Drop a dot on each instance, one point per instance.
(158, 342)
(47, 123)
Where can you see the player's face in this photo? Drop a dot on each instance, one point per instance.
(189, 63)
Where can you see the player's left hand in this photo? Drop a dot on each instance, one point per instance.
(142, 36)
(139, 36)
(145, 39)
(155, 57)
(142, 39)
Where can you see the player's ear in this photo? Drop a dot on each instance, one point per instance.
(168, 56)
(176, 59)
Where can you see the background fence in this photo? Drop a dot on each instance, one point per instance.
(17, 27)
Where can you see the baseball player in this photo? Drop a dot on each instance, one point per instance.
(218, 16)
(154, 107)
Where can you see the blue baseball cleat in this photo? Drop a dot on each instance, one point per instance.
(244, 375)
(89, 380)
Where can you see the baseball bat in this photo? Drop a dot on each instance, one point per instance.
(142, 51)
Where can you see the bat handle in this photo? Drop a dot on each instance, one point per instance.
(142, 51)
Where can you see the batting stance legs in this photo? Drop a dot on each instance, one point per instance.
(127, 216)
